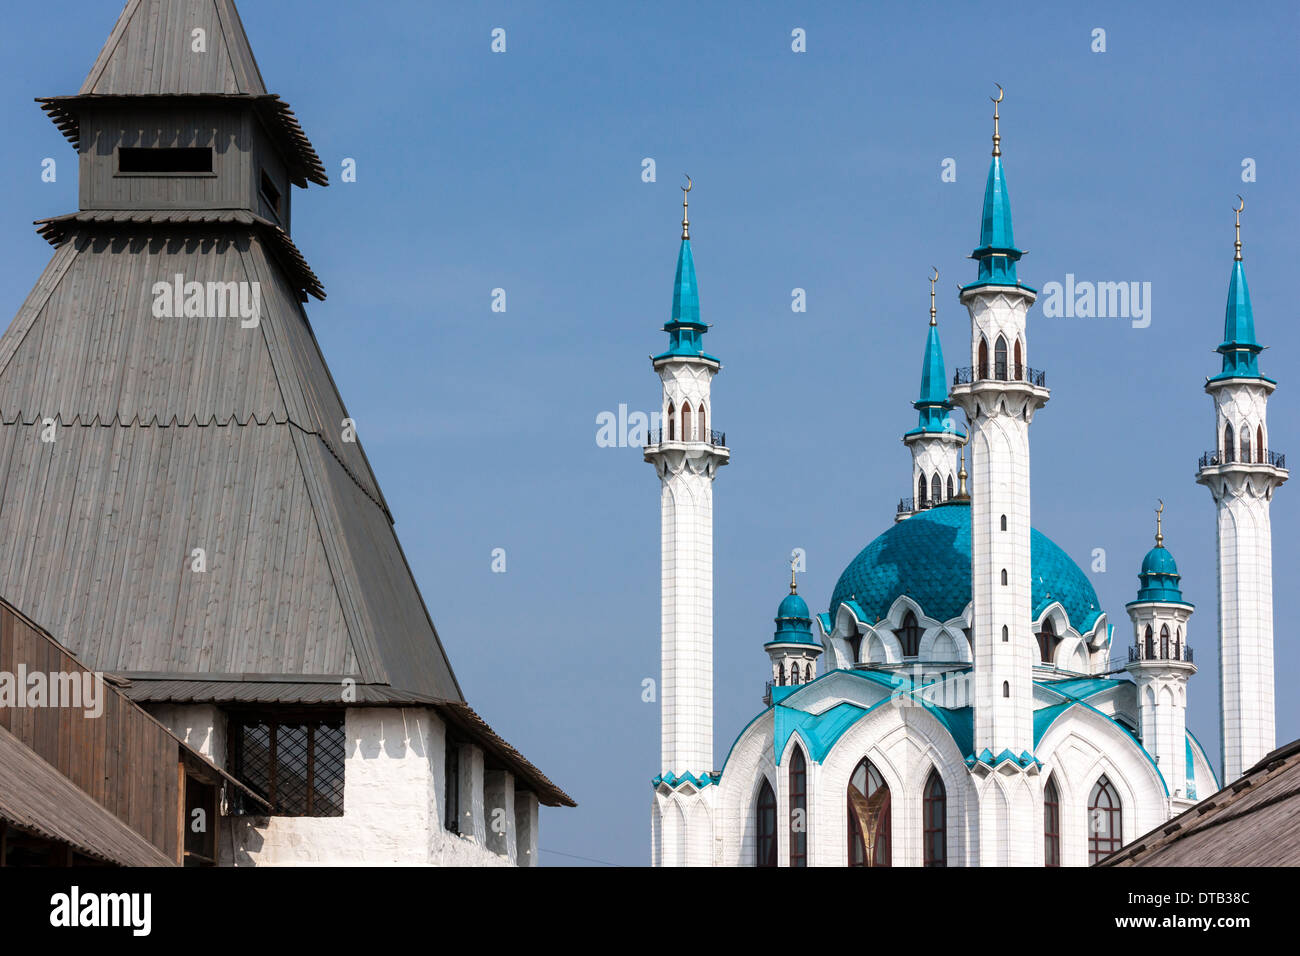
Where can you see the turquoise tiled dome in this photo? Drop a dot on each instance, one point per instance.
(927, 557)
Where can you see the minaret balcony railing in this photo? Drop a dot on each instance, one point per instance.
(715, 438)
(908, 505)
(1231, 456)
(1000, 372)
(1140, 653)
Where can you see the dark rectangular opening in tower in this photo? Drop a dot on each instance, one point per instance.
(131, 159)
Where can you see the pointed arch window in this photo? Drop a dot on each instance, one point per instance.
(1006, 689)
(983, 371)
(1150, 640)
(1000, 359)
(920, 493)
(936, 489)
(950, 487)
(686, 421)
(1006, 635)
(1051, 823)
(1164, 642)
(1004, 577)
(798, 808)
(1229, 452)
(1105, 821)
(1178, 645)
(1245, 447)
(807, 674)
(1259, 444)
(909, 635)
(672, 422)
(780, 674)
(1047, 641)
(702, 435)
(1019, 371)
(934, 821)
(765, 826)
(870, 819)
(1004, 522)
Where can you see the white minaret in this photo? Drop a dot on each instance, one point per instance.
(935, 439)
(1160, 663)
(999, 394)
(687, 454)
(1242, 473)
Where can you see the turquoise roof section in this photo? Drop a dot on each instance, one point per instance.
(1239, 349)
(1159, 579)
(928, 558)
(685, 330)
(933, 408)
(793, 622)
(997, 253)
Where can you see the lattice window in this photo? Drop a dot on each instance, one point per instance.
(295, 761)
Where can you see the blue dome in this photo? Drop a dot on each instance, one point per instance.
(927, 557)
(1159, 577)
(794, 606)
(793, 622)
(1159, 561)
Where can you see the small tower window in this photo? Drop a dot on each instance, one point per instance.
(1245, 448)
(936, 489)
(983, 370)
(920, 493)
(1229, 452)
(1178, 645)
(1149, 640)
(1259, 444)
(1004, 577)
(686, 421)
(1004, 522)
(1006, 689)
(780, 674)
(672, 422)
(1018, 373)
(909, 635)
(703, 435)
(807, 673)
(1164, 642)
(950, 487)
(1006, 635)
(270, 194)
(1000, 359)
(151, 161)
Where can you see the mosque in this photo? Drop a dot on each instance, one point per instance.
(965, 700)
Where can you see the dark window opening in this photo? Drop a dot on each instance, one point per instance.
(201, 809)
(765, 850)
(294, 762)
(1004, 522)
(934, 826)
(798, 809)
(451, 782)
(134, 159)
(1047, 641)
(909, 635)
(1105, 818)
(271, 194)
(1051, 824)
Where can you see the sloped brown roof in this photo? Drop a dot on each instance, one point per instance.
(1254, 821)
(37, 798)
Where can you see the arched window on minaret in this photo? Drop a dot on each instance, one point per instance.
(798, 808)
(936, 489)
(950, 487)
(672, 422)
(1229, 440)
(1004, 577)
(780, 673)
(702, 435)
(909, 635)
(765, 825)
(1178, 645)
(982, 371)
(1105, 821)
(1006, 688)
(1019, 372)
(1150, 642)
(1164, 642)
(807, 674)
(686, 421)
(1245, 446)
(1259, 444)
(920, 493)
(1051, 824)
(1000, 359)
(934, 821)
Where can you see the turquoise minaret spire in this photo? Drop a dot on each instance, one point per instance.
(932, 404)
(1239, 349)
(997, 253)
(685, 330)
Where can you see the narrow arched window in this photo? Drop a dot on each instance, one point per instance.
(780, 674)
(1004, 576)
(765, 827)
(1259, 443)
(807, 673)
(703, 435)
(1004, 522)
(909, 635)
(1245, 447)
(950, 487)
(1164, 642)
(936, 489)
(1178, 645)
(1229, 452)
(1006, 635)
(920, 493)
(1150, 642)
(672, 422)
(1051, 824)
(1006, 689)
(798, 809)
(686, 421)
(1047, 643)
(1019, 372)
(983, 370)
(870, 820)
(1000, 359)
(934, 821)
(1105, 821)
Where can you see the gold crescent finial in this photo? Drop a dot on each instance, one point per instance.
(961, 475)
(794, 559)
(933, 279)
(686, 220)
(997, 138)
(1160, 536)
(1238, 211)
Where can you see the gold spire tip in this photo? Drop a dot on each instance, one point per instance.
(961, 475)
(686, 220)
(997, 138)
(1237, 210)
(933, 279)
(1160, 537)
(794, 588)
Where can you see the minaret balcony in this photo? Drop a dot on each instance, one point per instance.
(1141, 654)
(658, 436)
(1000, 372)
(1246, 457)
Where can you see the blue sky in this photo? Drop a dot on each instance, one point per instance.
(818, 170)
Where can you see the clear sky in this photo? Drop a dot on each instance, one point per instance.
(817, 170)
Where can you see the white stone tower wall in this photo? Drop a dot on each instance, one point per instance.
(933, 454)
